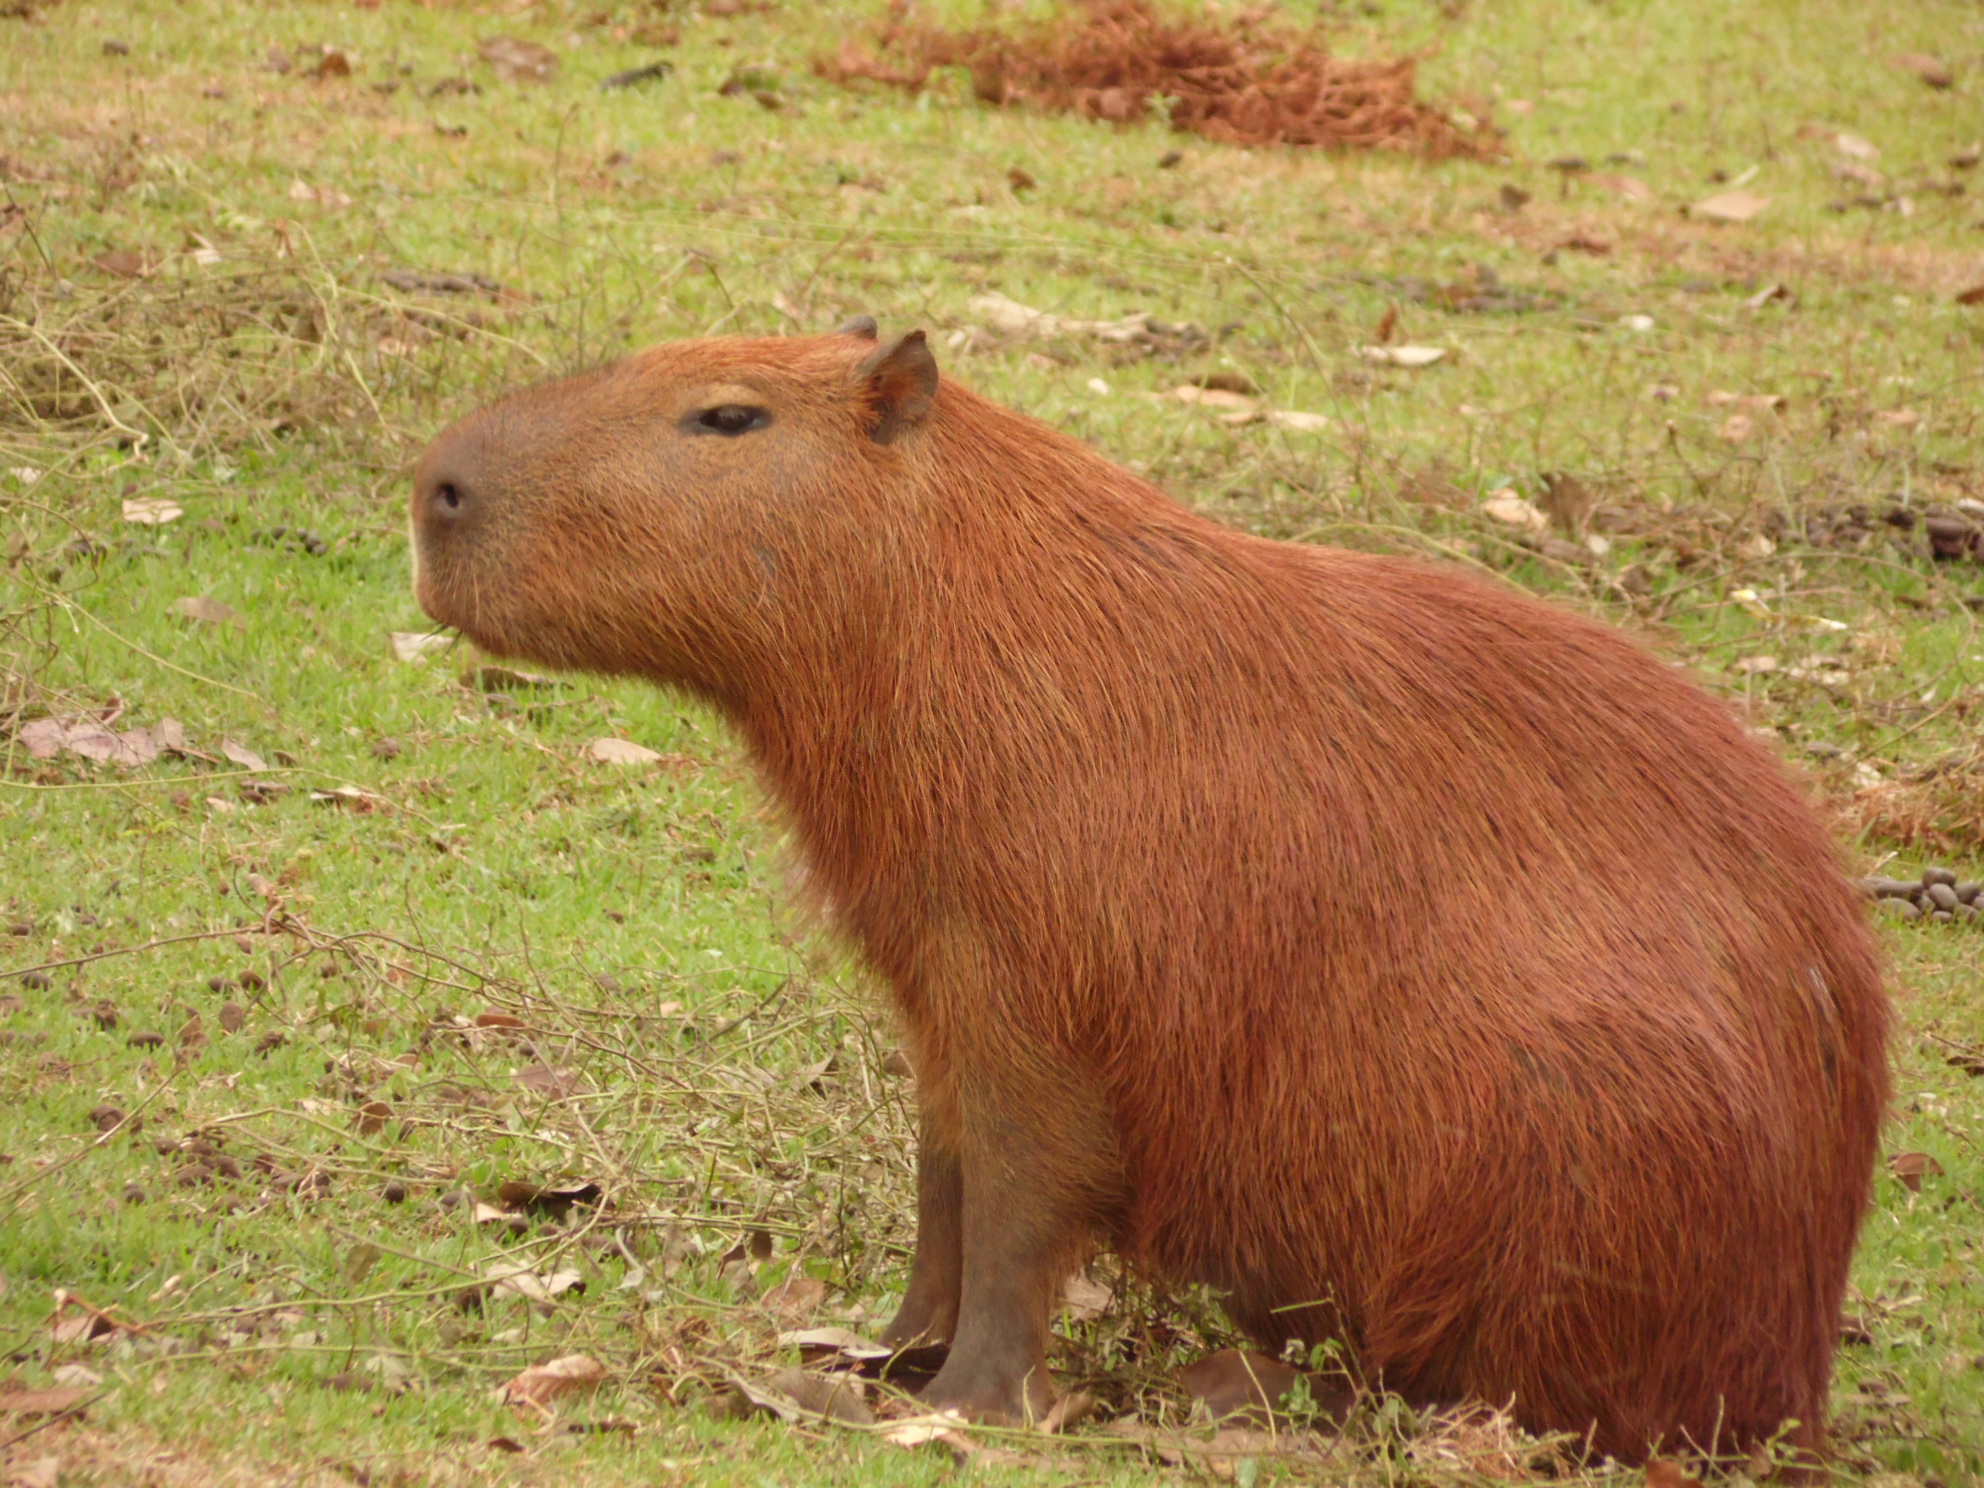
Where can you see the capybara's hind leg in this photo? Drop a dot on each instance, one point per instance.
(929, 1311)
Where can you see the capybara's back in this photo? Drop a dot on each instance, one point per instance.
(1425, 966)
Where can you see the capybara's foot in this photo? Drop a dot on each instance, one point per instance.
(920, 1321)
(979, 1391)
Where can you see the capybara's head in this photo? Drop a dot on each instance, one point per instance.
(641, 518)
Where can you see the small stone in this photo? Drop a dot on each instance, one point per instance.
(1966, 893)
(394, 1192)
(1901, 909)
(1943, 915)
(1968, 913)
(219, 984)
(133, 1194)
(1942, 896)
(104, 1118)
(232, 1016)
(145, 1038)
(1938, 876)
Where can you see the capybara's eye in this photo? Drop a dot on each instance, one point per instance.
(733, 418)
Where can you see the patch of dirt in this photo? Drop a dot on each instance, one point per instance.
(1236, 81)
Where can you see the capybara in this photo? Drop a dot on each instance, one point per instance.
(1418, 964)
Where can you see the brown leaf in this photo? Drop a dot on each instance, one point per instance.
(518, 61)
(1664, 1472)
(1972, 296)
(1730, 206)
(1630, 187)
(621, 752)
(373, 1116)
(242, 755)
(541, 1384)
(1932, 70)
(1910, 1168)
(123, 263)
(40, 1402)
(1084, 1297)
(152, 511)
(208, 611)
(546, 1080)
(836, 1397)
(493, 1019)
(795, 1298)
(1387, 324)
(232, 1016)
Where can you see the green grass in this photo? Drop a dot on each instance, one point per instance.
(633, 916)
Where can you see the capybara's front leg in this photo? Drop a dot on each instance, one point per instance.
(1034, 1187)
(929, 1311)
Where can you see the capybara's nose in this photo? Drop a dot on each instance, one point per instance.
(444, 499)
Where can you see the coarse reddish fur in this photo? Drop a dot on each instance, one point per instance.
(1420, 963)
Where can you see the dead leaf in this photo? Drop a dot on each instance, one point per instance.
(548, 1081)
(1388, 323)
(363, 802)
(1630, 187)
(1730, 206)
(1405, 356)
(521, 1281)
(1301, 423)
(1084, 1298)
(518, 61)
(1663, 1472)
(372, 1117)
(798, 1296)
(43, 737)
(243, 756)
(945, 1427)
(541, 1384)
(1853, 146)
(1910, 1168)
(493, 1019)
(323, 196)
(413, 645)
(1901, 418)
(40, 1472)
(1972, 296)
(1932, 70)
(41, 1402)
(621, 752)
(1736, 428)
(152, 511)
(123, 263)
(1212, 397)
(834, 1397)
(1517, 511)
(207, 611)
(1754, 666)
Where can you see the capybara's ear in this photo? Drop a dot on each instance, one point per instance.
(861, 325)
(899, 381)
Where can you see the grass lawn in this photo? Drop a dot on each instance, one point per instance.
(379, 1040)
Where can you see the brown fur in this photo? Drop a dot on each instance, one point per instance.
(1419, 963)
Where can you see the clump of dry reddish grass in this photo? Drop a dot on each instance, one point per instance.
(1235, 80)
